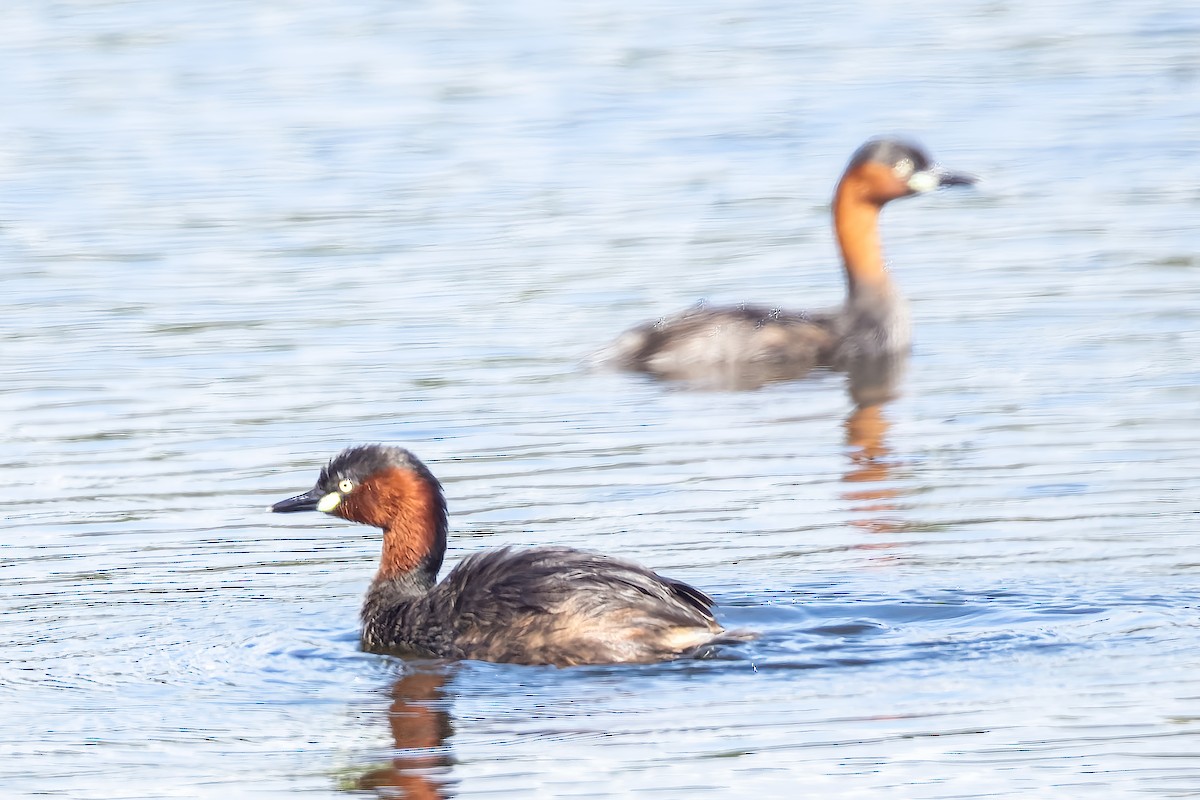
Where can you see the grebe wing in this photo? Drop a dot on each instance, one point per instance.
(557, 605)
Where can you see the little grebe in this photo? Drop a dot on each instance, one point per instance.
(771, 344)
(538, 605)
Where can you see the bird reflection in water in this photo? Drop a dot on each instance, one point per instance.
(872, 385)
(420, 726)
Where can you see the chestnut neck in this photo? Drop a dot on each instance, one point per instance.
(411, 509)
(856, 225)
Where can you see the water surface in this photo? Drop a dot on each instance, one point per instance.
(238, 238)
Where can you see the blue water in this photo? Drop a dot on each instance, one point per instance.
(238, 237)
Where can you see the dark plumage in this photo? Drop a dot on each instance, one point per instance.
(540, 605)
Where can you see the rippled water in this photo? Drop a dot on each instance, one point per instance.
(238, 237)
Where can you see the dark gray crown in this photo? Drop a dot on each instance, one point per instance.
(361, 462)
(891, 152)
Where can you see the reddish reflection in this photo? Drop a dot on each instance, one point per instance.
(870, 464)
(872, 386)
(420, 726)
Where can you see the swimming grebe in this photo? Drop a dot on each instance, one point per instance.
(760, 343)
(538, 605)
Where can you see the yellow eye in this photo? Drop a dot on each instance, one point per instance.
(345, 485)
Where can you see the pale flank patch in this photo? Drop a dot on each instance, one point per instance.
(680, 639)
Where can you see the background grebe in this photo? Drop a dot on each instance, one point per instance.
(753, 344)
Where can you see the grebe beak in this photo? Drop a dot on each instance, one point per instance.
(301, 502)
(947, 178)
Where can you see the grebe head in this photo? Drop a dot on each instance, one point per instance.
(886, 169)
(387, 487)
